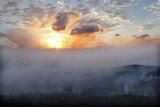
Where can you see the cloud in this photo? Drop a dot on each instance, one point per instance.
(86, 38)
(50, 9)
(117, 35)
(33, 12)
(90, 10)
(154, 8)
(107, 27)
(144, 39)
(37, 39)
(63, 19)
(143, 36)
(86, 29)
(36, 1)
(120, 3)
(118, 40)
(40, 1)
(108, 15)
(149, 26)
(24, 14)
(63, 15)
(134, 40)
(11, 4)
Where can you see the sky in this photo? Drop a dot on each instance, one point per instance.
(122, 17)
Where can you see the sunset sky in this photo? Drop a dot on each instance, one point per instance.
(121, 17)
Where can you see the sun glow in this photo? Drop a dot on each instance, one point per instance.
(56, 40)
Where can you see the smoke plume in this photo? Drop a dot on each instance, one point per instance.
(76, 71)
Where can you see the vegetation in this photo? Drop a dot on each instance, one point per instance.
(80, 101)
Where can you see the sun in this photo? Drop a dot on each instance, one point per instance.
(56, 40)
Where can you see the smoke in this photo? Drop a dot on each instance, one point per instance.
(76, 71)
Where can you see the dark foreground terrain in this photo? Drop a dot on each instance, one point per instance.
(79, 101)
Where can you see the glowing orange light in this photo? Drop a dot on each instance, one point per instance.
(56, 40)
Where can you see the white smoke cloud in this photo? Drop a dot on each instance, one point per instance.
(39, 71)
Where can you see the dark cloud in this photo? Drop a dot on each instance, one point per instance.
(117, 35)
(85, 29)
(143, 36)
(62, 19)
